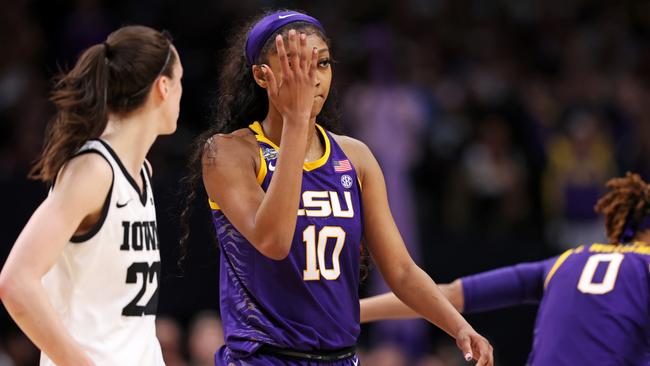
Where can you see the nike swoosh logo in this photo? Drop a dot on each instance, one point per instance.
(120, 205)
(285, 16)
(271, 167)
(355, 361)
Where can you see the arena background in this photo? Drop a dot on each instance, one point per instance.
(496, 124)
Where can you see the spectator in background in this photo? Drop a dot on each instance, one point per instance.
(20, 350)
(389, 116)
(205, 336)
(88, 23)
(495, 175)
(22, 106)
(579, 163)
(5, 360)
(387, 354)
(632, 127)
(171, 337)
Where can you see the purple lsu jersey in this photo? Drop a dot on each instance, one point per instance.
(594, 304)
(309, 300)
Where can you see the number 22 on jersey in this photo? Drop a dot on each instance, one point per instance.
(148, 274)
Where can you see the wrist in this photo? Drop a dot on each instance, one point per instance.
(462, 330)
(296, 119)
(295, 131)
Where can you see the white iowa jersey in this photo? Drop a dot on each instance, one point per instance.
(105, 284)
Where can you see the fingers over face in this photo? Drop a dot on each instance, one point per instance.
(282, 55)
(305, 56)
(294, 55)
(313, 63)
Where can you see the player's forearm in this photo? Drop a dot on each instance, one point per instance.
(276, 217)
(388, 306)
(454, 293)
(385, 306)
(418, 291)
(27, 303)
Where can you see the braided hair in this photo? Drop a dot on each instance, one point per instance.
(625, 205)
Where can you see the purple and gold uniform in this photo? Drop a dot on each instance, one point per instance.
(309, 300)
(594, 304)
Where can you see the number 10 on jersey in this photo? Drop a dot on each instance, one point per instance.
(315, 257)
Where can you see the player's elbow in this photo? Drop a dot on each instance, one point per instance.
(16, 289)
(3, 289)
(400, 275)
(276, 248)
(7, 286)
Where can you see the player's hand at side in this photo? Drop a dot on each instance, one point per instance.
(292, 91)
(475, 346)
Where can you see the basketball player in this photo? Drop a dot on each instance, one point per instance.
(82, 278)
(594, 300)
(291, 202)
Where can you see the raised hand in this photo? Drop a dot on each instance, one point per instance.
(293, 95)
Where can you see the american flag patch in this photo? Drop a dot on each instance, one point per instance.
(342, 165)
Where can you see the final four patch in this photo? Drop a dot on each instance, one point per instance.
(270, 154)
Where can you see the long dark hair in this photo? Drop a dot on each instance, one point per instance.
(238, 103)
(114, 76)
(628, 201)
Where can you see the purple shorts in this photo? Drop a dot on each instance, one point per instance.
(223, 358)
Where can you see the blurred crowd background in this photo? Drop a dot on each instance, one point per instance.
(496, 124)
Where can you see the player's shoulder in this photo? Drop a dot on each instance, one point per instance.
(91, 167)
(85, 178)
(231, 145)
(352, 147)
(358, 152)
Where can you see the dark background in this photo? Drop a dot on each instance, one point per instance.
(496, 123)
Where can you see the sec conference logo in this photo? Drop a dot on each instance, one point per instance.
(346, 181)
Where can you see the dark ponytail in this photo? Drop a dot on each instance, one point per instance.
(238, 103)
(111, 77)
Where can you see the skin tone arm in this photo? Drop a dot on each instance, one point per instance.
(75, 202)
(267, 220)
(388, 306)
(409, 283)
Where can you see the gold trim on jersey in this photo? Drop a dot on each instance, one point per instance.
(261, 174)
(308, 166)
(557, 265)
(637, 247)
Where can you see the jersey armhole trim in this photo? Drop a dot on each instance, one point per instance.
(141, 193)
(557, 265)
(79, 239)
(262, 171)
(147, 167)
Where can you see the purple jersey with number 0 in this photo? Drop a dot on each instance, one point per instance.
(309, 300)
(594, 304)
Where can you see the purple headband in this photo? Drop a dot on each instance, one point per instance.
(269, 25)
(631, 229)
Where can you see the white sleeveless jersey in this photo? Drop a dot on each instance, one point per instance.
(105, 284)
